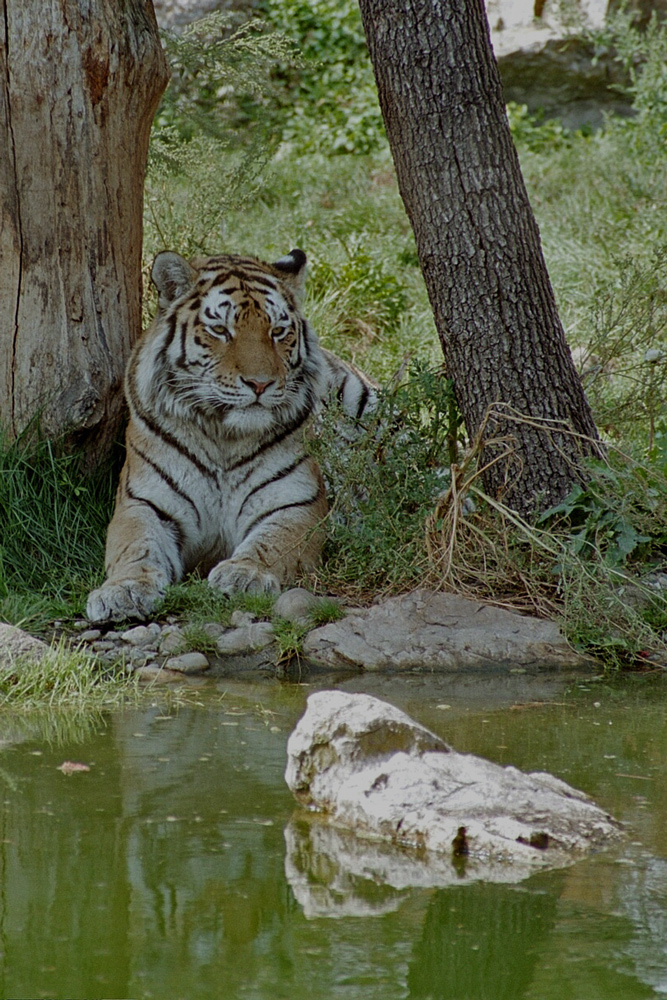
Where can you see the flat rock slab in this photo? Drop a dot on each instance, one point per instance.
(368, 767)
(441, 632)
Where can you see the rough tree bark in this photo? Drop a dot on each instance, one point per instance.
(80, 81)
(477, 239)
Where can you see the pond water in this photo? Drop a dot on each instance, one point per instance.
(160, 872)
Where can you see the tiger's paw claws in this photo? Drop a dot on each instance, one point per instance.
(119, 601)
(230, 576)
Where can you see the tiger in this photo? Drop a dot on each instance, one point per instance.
(217, 477)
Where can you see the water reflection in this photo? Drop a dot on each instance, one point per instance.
(161, 873)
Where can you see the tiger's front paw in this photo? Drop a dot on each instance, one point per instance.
(117, 601)
(232, 575)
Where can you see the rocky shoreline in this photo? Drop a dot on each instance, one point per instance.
(423, 631)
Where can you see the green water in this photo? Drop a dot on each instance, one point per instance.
(161, 871)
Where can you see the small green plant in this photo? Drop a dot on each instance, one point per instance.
(197, 639)
(534, 132)
(368, 298)
(624, 365)
(642, 51)
(214, 132)
(324, 612)
(600, 519)
(289, 636)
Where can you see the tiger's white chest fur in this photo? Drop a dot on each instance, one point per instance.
(221, 389)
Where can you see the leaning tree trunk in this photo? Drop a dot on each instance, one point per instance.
(478, 243)
(80, 81)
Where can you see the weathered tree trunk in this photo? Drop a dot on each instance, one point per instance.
(79, 84)
(477, 240)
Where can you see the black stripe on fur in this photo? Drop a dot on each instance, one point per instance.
(276, 510)
(298, 422)
(282, 474)
(171, 483)
(165, 436)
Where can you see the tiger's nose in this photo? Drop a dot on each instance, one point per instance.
(257, 386)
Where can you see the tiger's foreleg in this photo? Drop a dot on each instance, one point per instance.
(143, 558)
(283, 543)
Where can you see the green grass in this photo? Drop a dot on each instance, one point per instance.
(64, 678)
(53, 528)
(194, 601)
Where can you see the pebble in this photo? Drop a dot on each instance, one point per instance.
(141, 635)
(213, 629)
(295, 604)
(103, 646)
(89, 635)
(111, 656)
(152, 649)
(242, 619)
(188, 663)
(253, 637)
(172, 640)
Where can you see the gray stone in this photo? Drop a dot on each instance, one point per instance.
(369, 768)
(89, 635)
(242, 619)
(104, 646)
(296, 604)
(188, 663)
(140, 635)
(15, 644)
(214, 630)
(246, 640)
(139, 656)
(440, 632)
(547, 63)
(111, 656)
(172, 640)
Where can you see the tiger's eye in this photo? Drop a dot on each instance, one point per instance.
(278, 332)
(219, 330)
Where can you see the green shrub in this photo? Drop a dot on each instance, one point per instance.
(331, 102)
(383, 480)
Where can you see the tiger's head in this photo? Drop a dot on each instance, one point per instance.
(230, 342)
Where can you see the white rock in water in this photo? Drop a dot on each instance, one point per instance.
(375, 771)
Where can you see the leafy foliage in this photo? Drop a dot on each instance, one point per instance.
(215, 130)
(332, 100)
(621, 514)
(383, 480)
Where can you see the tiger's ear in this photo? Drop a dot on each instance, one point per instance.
(292, 270)
(172, 276)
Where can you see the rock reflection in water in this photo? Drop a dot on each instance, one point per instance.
(334, 873)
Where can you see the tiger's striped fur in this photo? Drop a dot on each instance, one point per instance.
(220, 390)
